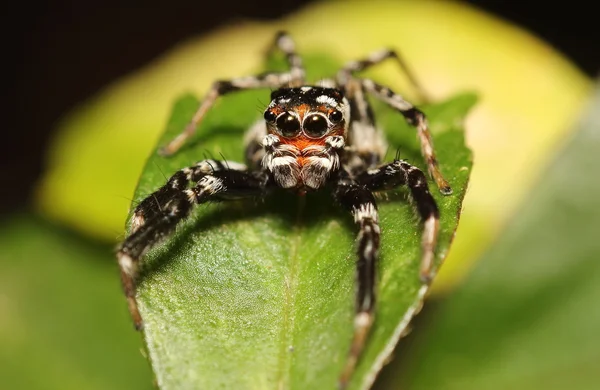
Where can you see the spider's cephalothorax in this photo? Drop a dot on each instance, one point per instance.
(306, 130)
(310, 136)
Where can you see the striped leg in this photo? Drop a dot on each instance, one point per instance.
(361, 203)
(402, 173)
(416, 118)
(377, 57)
(367, 142)
(155, 203)
(294, 77)
(220, 88)
(284, 42)
(157, 216)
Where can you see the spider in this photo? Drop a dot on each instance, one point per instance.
(312, 137)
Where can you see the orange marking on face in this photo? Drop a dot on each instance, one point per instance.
(301, 142)
(302, 110)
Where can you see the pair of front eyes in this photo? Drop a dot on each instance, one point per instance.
(314, 125)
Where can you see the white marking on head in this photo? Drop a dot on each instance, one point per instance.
(305, 89)
(324, 99)
(284, 100)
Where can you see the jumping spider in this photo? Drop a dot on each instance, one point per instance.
(311, 137)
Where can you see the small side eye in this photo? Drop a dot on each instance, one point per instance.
(288, 124)
(269, 116)
(335, 116)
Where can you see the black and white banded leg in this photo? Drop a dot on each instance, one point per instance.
(294, 77)
(375, 58)
(156, 217)
(417, 119)
(400, 173)
(284, 42)
(155, 203)
(357, 199)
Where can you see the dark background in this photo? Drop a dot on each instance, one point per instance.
(60, 52)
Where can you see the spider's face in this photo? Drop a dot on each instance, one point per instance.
(307, 115)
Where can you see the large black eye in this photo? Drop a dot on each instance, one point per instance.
(269, 116)
(288, 124)
(315, 125)
(335, 116)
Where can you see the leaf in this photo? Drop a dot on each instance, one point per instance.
(60, 322)
(261, 294)
(528, 316)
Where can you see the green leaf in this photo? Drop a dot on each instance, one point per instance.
(529, 315)
(258, 295)
(62, 320)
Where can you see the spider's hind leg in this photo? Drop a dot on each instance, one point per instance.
(157, 216)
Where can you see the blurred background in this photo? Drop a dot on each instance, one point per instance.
(62, 52)
(62, 55)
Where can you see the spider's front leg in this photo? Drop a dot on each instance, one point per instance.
(399, 173)
(359, 200)
(157, 216)
(416, 118)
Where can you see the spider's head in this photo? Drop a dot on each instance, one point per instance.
(308, 114)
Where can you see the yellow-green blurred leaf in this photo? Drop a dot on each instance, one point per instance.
(529, 314)
(62, 320)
